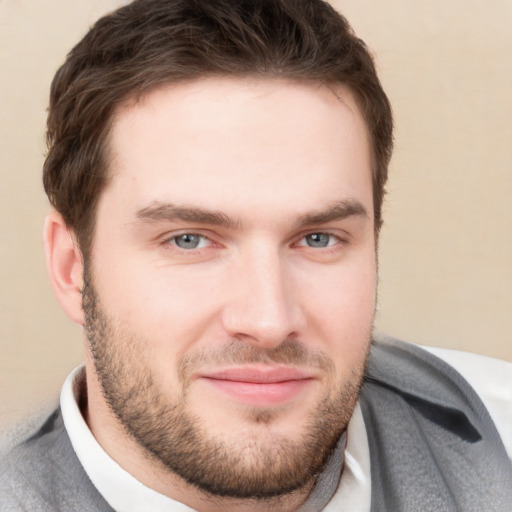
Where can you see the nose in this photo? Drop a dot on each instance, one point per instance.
(263, 306)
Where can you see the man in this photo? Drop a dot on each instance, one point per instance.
(217, 171)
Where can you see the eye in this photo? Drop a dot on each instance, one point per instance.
(190, 241)
(319, 240)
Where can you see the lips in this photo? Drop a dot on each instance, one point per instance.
(259, 386)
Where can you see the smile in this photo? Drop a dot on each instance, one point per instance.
(259, 387)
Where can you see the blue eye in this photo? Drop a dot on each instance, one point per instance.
(319, 240)
(189, 241)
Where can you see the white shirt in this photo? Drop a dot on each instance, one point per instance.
(491, 379)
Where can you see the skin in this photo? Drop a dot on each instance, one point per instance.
(264, 173)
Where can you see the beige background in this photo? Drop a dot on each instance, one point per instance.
(446, 249)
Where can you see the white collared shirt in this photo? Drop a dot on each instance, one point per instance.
(491, 378)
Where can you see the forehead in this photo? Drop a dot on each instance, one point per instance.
(235, 141)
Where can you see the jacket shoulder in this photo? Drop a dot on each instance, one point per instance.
(43, 473)
(431, 435)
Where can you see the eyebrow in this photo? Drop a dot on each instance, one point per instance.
(336, 211)
(168, 212)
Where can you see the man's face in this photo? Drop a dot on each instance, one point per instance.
(231, 286)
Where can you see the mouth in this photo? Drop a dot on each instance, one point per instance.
(259, 386)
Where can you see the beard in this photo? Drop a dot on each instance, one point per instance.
(256, 465)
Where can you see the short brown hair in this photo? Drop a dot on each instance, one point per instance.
(149, 43)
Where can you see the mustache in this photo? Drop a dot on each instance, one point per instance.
(238, 352)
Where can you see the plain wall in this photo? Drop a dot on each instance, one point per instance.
(446, 247)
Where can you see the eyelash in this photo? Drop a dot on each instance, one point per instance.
(172, 240)
(329, 247)
(331, 237)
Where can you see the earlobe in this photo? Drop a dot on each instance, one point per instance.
(65, 266)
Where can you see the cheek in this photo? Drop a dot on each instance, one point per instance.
(167, 305)
(340, 307)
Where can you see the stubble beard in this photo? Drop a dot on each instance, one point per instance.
(250, 467)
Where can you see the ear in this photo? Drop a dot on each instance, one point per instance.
(65, 266)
